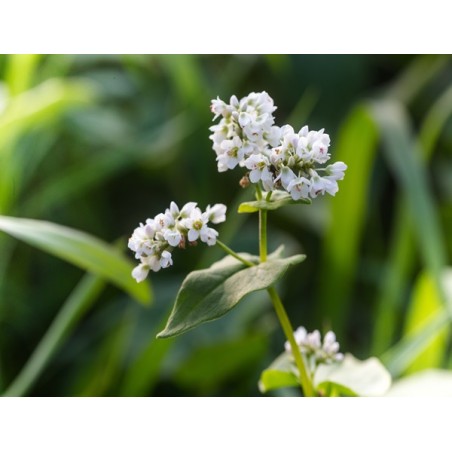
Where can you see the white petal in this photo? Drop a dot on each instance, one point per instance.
(187, 209)
(140, 272)
(255, 176)
(217, 213)
(193, 235)
(172, 237)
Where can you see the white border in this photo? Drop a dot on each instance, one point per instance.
(225, 26)
(223, 424)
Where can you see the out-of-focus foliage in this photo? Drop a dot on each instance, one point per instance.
(100, 143)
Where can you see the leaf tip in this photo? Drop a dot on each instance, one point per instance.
(164, 334)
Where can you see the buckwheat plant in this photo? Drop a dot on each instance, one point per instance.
(284, 167)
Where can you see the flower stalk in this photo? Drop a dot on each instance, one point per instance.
(305, 380)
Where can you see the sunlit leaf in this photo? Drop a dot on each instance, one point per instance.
(402, 252)
(281, 373)
(42, 103)
(426, 302)
(428, 383)
(362, 378)
(400, 356)
(404, 157)
(20, 71)
(351, 377)
(80, 249)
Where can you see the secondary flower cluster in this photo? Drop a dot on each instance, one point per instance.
(278, 157)
(311, 345)
(154, 240)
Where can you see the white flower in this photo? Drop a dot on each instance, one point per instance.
(173, 210)
(258, 164)
(173, 237)
(313, 340)
(140, 272)
(299, 188)
(163, 220)
(165, 259)
(216, 214)
(311, 345)
(319, 152)
(276, 156)
(208, 235)
(220, 108)
(188, 209)
(330, 348)
(286, 176)
(153, 262)
(154, 241)
(141, 240)
(336, 170)
(221, 132)
(233, 153)
(246, 128)
(300, 338)
(198, 229)
(273, 136)
(320, 185)
(194, 224)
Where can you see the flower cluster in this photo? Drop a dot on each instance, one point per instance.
(311, 345)
(154, 240)
(278, 157)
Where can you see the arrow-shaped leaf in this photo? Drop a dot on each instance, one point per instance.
(209, 294)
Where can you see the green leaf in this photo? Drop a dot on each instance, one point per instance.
(424, 304)
(402, 252)
(80, 249)
(20, 71)
(77, 304)
(433, 382)
(209, 294)
(401, 355)
(342, 239)
(278, 199)
(403, 155)
(281, 373)
(353, 377)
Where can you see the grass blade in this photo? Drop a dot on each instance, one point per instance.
(80, 249)
(357, 147)
(82, 297)
(424, 304)
(402, 154)
(402, 252)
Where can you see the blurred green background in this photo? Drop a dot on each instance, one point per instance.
(100, 143)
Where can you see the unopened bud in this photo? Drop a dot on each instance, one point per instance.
(244, 181)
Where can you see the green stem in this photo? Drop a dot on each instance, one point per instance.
(263, 235)
(75, 306)
(305, 380)
(234, 254)
(258, 192)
